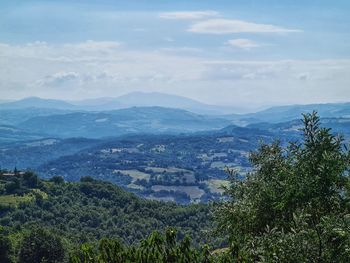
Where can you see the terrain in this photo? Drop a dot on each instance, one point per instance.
(294, 202)
(157, 152)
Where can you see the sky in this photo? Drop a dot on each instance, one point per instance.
(243, 53)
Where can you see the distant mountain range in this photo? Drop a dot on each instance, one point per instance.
(154, 120)
(292, 112)
(156, 99)
(152, 113)
(9, 134)
(134, 99)
(35, 102)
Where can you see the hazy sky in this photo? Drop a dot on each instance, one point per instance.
(242, 53)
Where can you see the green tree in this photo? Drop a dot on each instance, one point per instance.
(157, 248)
(5, 249)
(294, 202)
(41, 246)
(57, 179)
(12, 186)
(30, 179)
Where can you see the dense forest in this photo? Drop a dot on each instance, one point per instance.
(292, 207)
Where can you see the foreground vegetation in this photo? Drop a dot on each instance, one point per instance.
(293, 207)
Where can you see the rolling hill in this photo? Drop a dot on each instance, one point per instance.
(125, 121)
(134, 99)
(292, 112)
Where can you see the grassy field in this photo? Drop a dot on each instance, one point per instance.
(193, 191)
(135, 186)
(168, 170)
(135, 174)
(15, 200)
(215, 185)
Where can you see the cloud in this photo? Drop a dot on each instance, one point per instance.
(58, 79)
(188, 15)
(91, 45)
(227, 26)
(288, 70)
(168, 39)
(182, 50)
(303, 76)
(242, 43)
(70, 71)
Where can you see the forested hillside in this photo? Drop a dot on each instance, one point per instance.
(90, 209)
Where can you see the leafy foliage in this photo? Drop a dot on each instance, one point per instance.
(41, 246)
(89, 210)
(294, 206)
(156, 248)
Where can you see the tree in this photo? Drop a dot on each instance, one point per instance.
(41, 246)
(57, 180)
(5, 249)
(12, 186)
(156, 248)
(30, 179)
(293, 203)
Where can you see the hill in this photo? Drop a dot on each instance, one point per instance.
(124, 121)
(134, 99)
(36, 102)
(292, 112)
(89, 209)
(144, 99)
(9, 134)
(182, 168)
(15, 116)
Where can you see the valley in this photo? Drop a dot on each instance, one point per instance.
(155, 152)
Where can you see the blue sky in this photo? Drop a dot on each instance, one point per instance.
(249, 54)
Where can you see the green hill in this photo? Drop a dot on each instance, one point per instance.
(90, 209)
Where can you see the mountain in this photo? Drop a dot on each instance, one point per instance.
(125, 121)
(292, 112)
(31, 153)
(155, 99)
(180, 167)
(338, 126)
(15, 116)
(4, 101)
(143, 99)
(35, 102)
(10, 134)
(151, 99)
(134, 99)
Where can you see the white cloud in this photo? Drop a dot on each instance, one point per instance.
(180, 50)
(188, 15)
(303, 76)
(227, 26)
(242, 43)
(168, 39)
(99, 46)
(68, 71)
(58, 79)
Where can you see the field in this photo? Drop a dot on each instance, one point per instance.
(15, 200)
(193, 191)
(135, 174)
(215, 185)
